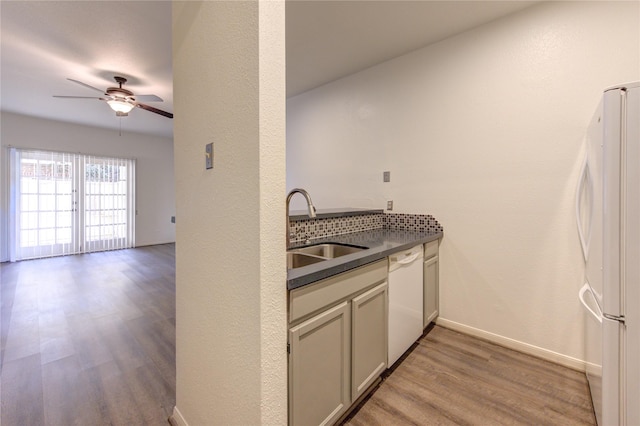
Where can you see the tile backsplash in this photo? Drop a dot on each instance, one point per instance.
(411, 222)
(328, 227)
(302, 230)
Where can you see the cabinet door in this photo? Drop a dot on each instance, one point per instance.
(319, 367)
(368, 338)
(430, 290)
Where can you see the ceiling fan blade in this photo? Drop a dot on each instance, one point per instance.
(148, 98)
(86, 85)
(156, 110)
(78, 97)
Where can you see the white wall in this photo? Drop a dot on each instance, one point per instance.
(229, 85)
(155, 195)
(484, 131)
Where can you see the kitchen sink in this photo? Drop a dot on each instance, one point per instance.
(303, 256)
(328, 250)
(297, 260)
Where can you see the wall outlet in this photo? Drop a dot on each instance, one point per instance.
(386, 176)
(208, 151)
(173, 219)
(390, 205)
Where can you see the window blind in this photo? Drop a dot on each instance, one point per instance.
(67, 203)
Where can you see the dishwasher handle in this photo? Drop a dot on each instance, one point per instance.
(408, 260)
(407, 257)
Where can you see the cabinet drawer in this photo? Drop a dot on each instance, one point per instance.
(431, 249)
(311, 298)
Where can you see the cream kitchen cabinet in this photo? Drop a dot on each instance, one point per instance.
(431, 282)
(319, 381)
(369, 338)
(337, 342)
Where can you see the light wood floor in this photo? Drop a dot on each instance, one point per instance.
(89, 339)
(454, 379)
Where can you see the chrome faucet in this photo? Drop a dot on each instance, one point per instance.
(310, 206)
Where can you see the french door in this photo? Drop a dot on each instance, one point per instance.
(66, 203)
(106, 203)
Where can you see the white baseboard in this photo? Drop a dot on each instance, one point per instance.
(176, 418)
(148, 244)
(567, 361)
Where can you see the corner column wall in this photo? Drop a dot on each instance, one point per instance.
(229, 86)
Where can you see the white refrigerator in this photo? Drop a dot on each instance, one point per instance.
(608, 215)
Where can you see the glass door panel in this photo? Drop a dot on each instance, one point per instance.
(106, 190)
(46, 212)
(63, 203)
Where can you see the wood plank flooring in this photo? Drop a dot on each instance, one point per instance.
(454, 379)
(89, 339)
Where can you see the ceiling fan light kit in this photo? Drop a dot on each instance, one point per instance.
(121, 100)
(121, 106)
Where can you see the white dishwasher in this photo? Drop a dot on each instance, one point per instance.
(405, 301)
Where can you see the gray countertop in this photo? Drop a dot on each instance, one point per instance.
(380, 242)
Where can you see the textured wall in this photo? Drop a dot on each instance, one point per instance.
(483, 131)
(273, 296)
(154, 167)
(231, 325)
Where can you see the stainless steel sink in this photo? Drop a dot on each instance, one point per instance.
(328, 250)
(297, 260)
(304, 256)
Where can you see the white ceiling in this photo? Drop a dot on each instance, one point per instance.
(45, 42)
(327, 40)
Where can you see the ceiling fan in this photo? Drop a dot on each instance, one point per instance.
(120, 99)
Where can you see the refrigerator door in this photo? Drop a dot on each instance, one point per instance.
(614, 106)
(612, 377)
(604, 337)
(593, 347)
(603, 296)
(590, 214)
(631, 236)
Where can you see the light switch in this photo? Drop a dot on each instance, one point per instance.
(386, 176)
(209, 156)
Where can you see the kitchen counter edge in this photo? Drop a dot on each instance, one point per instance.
(381, 243)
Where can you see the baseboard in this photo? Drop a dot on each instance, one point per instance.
(148, 244)
(557, 358)
(176, 418)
